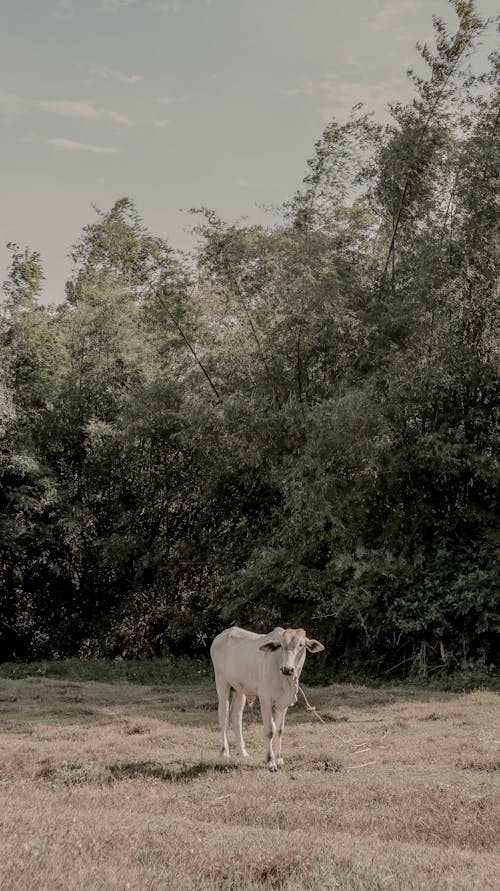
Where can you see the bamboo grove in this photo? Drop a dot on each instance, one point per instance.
(295, 425)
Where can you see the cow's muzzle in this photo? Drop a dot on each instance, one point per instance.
(286, 670)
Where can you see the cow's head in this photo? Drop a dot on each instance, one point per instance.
(293, 644)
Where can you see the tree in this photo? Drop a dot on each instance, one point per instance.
(24, 283)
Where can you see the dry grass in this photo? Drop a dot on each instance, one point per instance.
(119, 786)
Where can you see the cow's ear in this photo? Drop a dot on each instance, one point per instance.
(270, 646)
(314, 646)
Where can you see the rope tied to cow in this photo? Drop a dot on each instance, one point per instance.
(361, 743)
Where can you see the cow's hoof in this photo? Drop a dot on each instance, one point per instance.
(272, 768)
(244, 754)
(279, 763)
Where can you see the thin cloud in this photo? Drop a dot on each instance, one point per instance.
(71, 145)
(393, 10)
(388, 15)
(173, 100)
(374, 97)
(163, 123)
(83, 109)
(66, 8)
(10, 104)
(166, 8)
(113, 74)
(310, 88)
(63, 10)
(67, 107)
(116, 4)
(118, 118)
(336, 99)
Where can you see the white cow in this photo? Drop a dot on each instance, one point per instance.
(263, 665)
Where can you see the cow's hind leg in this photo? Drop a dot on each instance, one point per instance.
(269, 729)
(224, 693)
(238, 704)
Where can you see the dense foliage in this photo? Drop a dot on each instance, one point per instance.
(299, 425)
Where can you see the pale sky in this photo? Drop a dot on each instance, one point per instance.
(181, 103)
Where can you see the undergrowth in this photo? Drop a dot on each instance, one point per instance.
(185, 670)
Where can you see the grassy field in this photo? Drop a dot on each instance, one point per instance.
(118, 785)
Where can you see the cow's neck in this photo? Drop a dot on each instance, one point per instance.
(290, 686)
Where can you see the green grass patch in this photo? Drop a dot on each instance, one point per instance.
(183, 671)
(148, 671)
(488, 765)
(155, 771)
(71, 774)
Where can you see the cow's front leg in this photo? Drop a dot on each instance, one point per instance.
(280, 726)
(269, 730)
(238, 705)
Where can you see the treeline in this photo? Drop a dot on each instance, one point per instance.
(298, 425)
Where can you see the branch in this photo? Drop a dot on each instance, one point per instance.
(189, 346)
(230, 274)
(414, 161)
(299, 364)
